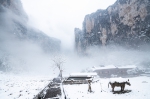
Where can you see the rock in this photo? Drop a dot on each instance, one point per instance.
(13, 22)
(125, 23)
(17, 36)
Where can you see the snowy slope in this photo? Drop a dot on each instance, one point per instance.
(21, 87)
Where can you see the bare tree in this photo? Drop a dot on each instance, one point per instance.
(58, 63)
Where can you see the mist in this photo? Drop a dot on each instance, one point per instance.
(56, 20)
(104, 56)
(59, 18)
(19, 54)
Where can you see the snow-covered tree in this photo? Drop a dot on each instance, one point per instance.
(58, 63)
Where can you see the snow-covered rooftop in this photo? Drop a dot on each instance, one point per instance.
(83, 74)
(104, 67)
(128, 66)
(113, 67)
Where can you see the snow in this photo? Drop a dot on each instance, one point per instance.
(139, 90)
(113, 67)
(128, 66)
(105, 67)
(83, 74)
(24, 87)
(120, 80)
(21, 87)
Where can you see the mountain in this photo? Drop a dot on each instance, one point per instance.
(17, 37)
(14, 19)
(125, 23)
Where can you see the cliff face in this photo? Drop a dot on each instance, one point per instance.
(125, 23)
(20, 43)
(13, 5)
(13, 22)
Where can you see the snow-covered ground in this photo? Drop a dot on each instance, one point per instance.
(21, 87)
(140, 89)
(25, 87)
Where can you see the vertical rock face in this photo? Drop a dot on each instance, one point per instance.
(13, 22)
(78, 40)
(125, 23)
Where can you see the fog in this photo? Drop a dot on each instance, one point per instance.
(117, 56)
(17, 54)
(58, 20)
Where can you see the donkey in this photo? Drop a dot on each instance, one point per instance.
(119, 84)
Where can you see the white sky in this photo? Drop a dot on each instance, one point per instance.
(58, 18)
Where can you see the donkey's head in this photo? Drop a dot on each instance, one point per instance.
(128, 83)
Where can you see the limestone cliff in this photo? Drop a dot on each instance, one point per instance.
(125, 23)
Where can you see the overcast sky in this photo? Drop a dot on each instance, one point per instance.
(58, 18)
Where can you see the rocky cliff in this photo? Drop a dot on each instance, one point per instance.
(20, 43)
(13, 21)
(125, 23)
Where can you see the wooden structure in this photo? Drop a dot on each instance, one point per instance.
(79, 78)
